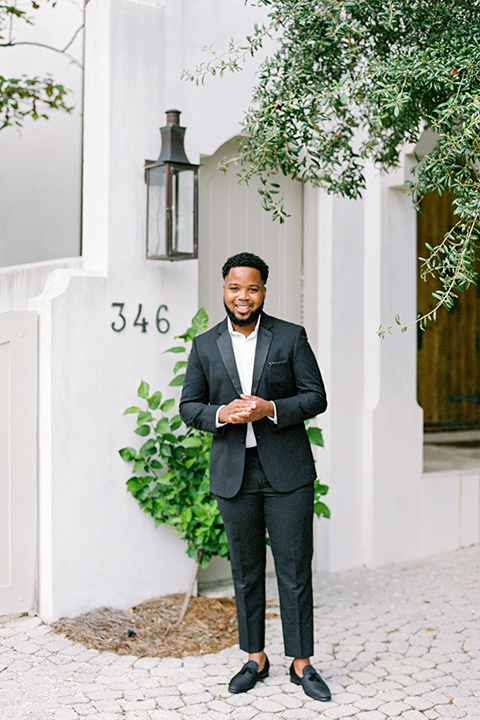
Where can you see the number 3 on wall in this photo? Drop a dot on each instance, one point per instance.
(162, 324)
(124, 322)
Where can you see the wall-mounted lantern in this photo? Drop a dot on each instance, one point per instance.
(172, 197)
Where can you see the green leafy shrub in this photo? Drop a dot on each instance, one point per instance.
(170, 477)
(321, 510)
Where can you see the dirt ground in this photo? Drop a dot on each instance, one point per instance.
(150, 630)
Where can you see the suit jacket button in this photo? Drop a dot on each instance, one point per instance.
(242, 440)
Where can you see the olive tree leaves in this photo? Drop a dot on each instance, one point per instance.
(29, 96)
(351, 81)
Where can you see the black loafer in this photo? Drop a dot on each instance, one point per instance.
(311, 682)
(248, 676)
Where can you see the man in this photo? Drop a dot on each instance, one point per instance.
(251, 381)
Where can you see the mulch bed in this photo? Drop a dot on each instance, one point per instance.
(149, 630)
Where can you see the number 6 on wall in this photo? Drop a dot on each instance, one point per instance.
(159, 320)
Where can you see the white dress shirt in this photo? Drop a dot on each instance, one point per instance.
(244, 350)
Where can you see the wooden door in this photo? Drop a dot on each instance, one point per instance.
(448, 350)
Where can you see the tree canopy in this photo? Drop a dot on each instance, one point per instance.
(27, 96)
(352, 81)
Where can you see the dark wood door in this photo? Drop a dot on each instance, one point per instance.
(448, 350)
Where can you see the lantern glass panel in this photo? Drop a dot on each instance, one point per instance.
(182, 210)
(156, 212)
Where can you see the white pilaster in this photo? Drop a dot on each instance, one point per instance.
(393, 440)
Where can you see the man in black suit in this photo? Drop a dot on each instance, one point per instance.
(251, 381)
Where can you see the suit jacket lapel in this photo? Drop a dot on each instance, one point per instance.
(265, 337)
(225, 348)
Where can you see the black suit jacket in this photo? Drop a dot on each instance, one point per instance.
(285, 371)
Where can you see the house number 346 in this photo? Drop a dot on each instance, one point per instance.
(120, 323)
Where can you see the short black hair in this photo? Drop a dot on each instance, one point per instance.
(246, 259)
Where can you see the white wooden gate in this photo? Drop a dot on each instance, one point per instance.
(232, 220)
(18, 460)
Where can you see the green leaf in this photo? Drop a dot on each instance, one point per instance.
(179, 365)
(128, 454)
(166, 451)
(177, 349)
(186, 515)
(175, 422)
(148, 448)
(167, 405)
(188, 335)
(315, 436)
(133, 485)
(132, 409)
(178, 380)
(192, 442)
(142, 430)
(155, 400)
(143, 390)
(321, 510)
(139, 466)
(163, 426)
(144, 417)
(200, 320)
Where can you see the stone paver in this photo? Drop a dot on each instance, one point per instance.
(396, 642)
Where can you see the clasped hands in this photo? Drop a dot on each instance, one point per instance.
(246, 408)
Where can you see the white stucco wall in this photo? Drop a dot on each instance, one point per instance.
(21, 283)
(40, 181)
(95, 546)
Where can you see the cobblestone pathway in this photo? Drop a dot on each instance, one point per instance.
(397, 642)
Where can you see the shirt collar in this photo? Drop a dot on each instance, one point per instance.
(236, 333)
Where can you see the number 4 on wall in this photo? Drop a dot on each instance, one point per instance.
(141, 323)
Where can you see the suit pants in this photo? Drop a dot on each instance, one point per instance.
(288, 518)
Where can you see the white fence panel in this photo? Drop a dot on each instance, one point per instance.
(18, 460)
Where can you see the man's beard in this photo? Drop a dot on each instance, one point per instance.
(243, 322)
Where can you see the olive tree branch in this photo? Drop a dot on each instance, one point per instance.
(61, 51)
(236, 53)
(448, 293)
